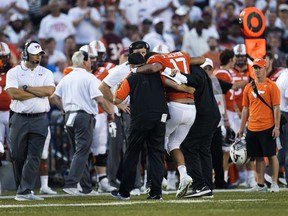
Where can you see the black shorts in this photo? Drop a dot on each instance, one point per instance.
(261, 143)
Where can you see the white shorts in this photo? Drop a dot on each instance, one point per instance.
(100, 135)
(182, 117)
(4, 127)
(46, 145)
(234, 120)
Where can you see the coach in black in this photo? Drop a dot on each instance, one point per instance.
(149, 113)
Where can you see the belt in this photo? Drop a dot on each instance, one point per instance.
(32, 114)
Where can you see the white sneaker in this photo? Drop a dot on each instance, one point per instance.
(135, 192)
(73, 191)
(171, 184)
(92, 193)
(256, 188)
(47, 190)
(164, 184)
(105, 187)
(274, 187)
(185, 182)
(27, 197)
(251, 182)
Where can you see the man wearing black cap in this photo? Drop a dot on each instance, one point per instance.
(147, 125)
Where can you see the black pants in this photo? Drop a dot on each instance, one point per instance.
(197, 151)
(217, 158)
(153, 136)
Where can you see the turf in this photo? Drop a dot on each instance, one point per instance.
(234, 203)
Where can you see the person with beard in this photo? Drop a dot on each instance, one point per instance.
(4, 97)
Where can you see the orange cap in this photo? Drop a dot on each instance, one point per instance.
(260, 62)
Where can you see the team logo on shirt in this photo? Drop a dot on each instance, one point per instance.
(259, 92)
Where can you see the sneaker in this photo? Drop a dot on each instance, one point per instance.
(185, 182)
(91, 193)
(274, 187)
(135, 192)
(164, 184)
(156, 197)
(73, 191)
(27, 197)
(257, 188)
(208, 195)
(47, 190)
(171, 184)
(251, 182)
(198, 193)
(117, 195)
(105, 187)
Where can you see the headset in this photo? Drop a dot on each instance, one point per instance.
(85, 54)
(138, 45)
(25, 53)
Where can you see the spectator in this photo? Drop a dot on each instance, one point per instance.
(27, 142)
(195, 41)
(56, 25)
(85, 19)
(158, 36)
(214, 52)
(55, 57)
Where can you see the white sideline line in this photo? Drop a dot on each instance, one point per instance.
(126, 203)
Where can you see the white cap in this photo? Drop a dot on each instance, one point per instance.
(182, 10)
(283, 7)
(92, 52)
(98, 45)
(16, 17)
(157, 20)
(35, 48)
(162, 49)
(239, 49)
(208, 62)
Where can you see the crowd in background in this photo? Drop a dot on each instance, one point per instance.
(197, 27)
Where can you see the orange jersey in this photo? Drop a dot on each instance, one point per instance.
(67, 70)
(238, 76)
(5, 99)
(261, 117)
(101, 73)
(178, 60)
(224, 75)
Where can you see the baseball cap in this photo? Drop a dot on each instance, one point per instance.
(239, 49)
(283, 7)
(260, 62)
(208, 62)
(35, 48)
(16, 17)
(157, 20)
(182, 10)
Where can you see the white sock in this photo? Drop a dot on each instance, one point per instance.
(250, 174)
(101, 175)
(182, 171)
(242, 175)
(226, 175)
(44, 181)
(171, 175)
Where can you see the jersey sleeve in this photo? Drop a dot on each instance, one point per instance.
(123, 91)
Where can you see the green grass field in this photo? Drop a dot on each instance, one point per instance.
(232, 203)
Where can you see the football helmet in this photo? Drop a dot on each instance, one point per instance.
(238, 152)
(90, 50)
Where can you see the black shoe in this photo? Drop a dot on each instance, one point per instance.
(116, 194)
(156, 197)
(198, 193)
(208, 195)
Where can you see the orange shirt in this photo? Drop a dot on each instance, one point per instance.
(67, 70)
(229, 96)
(5, 99)
(238, 76)
(261, 117)
(178, 60)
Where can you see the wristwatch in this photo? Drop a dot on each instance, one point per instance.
(24, 87)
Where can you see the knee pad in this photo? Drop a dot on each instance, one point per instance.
(101, 160)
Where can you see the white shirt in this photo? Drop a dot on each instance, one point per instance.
(117, 74)
(57, 27)
(4, 17)
(78, 91)
(154, 39)
(21, 75)
(282, 83)
(82, 36)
